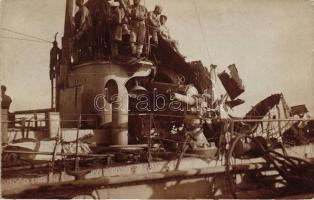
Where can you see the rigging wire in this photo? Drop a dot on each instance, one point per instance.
(202, 31)
(217, 86)
(23, 34)
(21, 39)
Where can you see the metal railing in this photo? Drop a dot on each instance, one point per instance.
(257, 129)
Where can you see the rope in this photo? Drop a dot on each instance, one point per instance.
(23, 34)
(21, 39)
(202, 31)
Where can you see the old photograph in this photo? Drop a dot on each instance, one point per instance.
(157, 99)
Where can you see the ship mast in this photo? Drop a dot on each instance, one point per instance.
(66, 51)
(68, 32)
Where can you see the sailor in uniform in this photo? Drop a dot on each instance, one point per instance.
(138, 14)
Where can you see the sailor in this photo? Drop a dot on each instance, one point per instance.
(6, 100)
(55, 59)
(165, 34)
(154, 23)
(118, 27)
(99, 12)
(138, 15)
(83, 25)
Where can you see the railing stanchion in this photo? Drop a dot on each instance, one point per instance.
(77, 143)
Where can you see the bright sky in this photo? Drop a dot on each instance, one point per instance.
(270, 41)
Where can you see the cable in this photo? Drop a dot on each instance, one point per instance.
(26, 35)
(14, 38)
(202, 31)
(217, 85)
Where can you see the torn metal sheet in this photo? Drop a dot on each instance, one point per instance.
(194, 72)
(298, 110)
(263, 107)
(232, 82)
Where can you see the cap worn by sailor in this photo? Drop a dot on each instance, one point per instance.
(3, 88)
(158, 8)
(114, 3)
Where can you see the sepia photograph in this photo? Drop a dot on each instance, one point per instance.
(157, 99)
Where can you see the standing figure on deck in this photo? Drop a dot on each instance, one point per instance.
(165, 34)
(5, 99)
(54, 67)
(118, 27)
(55, 60)
(99, 10)
(154, 23)
(138, 15)
(83, 33)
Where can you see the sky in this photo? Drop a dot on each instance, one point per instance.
(270, 41)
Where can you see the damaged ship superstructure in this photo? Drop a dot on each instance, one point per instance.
(132, 115)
